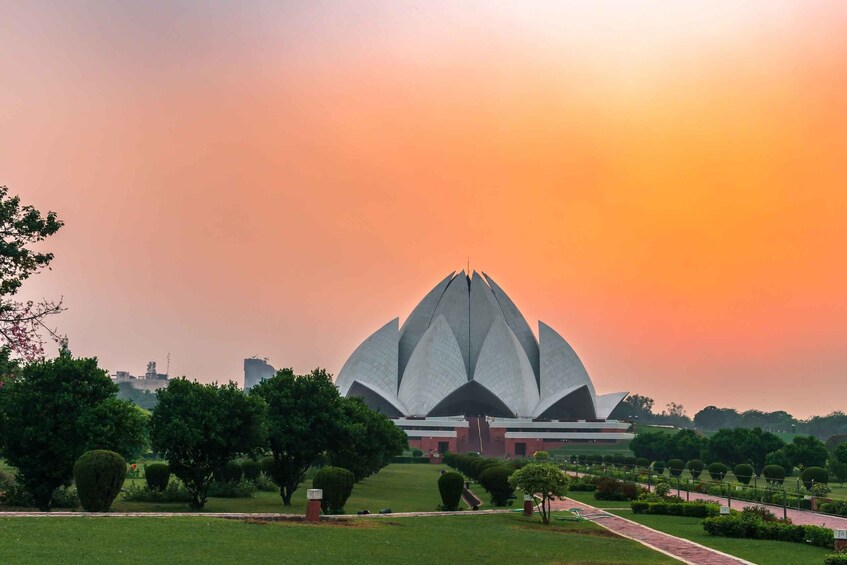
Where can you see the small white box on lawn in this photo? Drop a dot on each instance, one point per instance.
(315, 494)
(724, 509)
(840, 534)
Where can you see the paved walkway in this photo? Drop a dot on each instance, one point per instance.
(678, 548)
(802, 517)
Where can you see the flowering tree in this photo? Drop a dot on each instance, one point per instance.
(22, 323)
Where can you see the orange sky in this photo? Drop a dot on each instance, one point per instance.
(665, 183)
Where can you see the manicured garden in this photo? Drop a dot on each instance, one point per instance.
(478, 539)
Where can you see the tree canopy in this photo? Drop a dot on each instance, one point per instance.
(541, 479)
(200, 427)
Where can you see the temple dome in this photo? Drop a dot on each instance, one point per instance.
(466, 349)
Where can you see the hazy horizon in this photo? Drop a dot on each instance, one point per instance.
(662, 183)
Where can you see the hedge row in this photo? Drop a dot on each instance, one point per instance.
(691, 509)
(752, 527)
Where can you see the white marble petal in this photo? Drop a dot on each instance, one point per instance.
(435, 370)
(374, 362)
(455, 307)
(561, 368)
(417, 323)
(484, 310)
(604, 404)
(518, 325)
(504, 369)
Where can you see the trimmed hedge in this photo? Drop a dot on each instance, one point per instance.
(691, 509)
(753, 527)
(450, 486)
(251, 469)
(695, 467)
(814, 476)
(99, 476)
(676, 467)
(743, 473)
(496, 481)
(659, 467)
(774, 474)
(157, 476)
(610, 489)
(417, 453)
(407, 459)
(835, 559)
(642, 462)
(717, 471)
(337, 486)
(230, 473)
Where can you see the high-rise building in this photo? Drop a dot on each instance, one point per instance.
(255, 371)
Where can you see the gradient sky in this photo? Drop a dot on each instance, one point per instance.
(665, 183)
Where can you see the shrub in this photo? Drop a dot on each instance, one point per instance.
(839, 472)
(675, 467)
(690, 509)
(584, 484)
(267, 464)
(99, 476)
(6, 479)
(717, 471)
(417, 453)
(659, 467)
(230, 472)
(337, 485)
(814, 475)
(451, 486)
(230, 489)
(743, 473)
(835, 559)
(629, 461)
(496, 481)
(695, 467)
(251, 470)
(774, 474)
(642, 462)
(157, 476)
(752, 526)
(449, 459)
(541, 456)
(611, 489)
(175, 491)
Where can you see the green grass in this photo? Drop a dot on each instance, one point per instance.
(621, 448)
(763, 552)
(401, 487)
(494, 539)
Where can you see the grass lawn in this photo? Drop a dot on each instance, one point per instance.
(621, 448)
(494, 539)
(763, 552)
(401, 487)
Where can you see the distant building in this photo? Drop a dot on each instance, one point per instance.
(151, 381)
(255, 371)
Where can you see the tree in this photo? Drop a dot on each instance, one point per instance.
(199, 427)
(687, 444)
(652, 445)
(807, 451)
(544, 480)
(369, 440)
(840, 452)
(634, 406)
(47, 417)
(119, 426)
(740, 445)
(714, 418)
(305, 419)
(21, 323)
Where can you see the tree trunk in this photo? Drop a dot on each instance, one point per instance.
(286, 495)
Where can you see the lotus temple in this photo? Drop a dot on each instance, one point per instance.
(466, 373)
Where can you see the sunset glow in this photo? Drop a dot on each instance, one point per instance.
(665, 183)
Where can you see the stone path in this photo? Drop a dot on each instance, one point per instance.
(678, 548)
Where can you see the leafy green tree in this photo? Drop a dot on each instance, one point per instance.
(305, 419)
(368, 442)
(652, 445)
(740, 445)
(544, 480)
(714, 418)
(199, 427)
(47, 420)
(21, 323)
(840, 452)
(779, 458)
(142, 398)
(687, 445)
(807, 451)
(839, 471)
(119, 426)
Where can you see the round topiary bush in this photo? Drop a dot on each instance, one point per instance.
(659, 467)
(629, 462)
(717, 471)
(814, 476)
(450, 486)
(337, 485)
(642, 462)
(695, 467)
(230, 473)
(417, 453)
(251, 469)
(541, 456)
(496, 481)
(774, 474)
(99, 476)
(675, 467)
(157, 476)
(743, 473)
